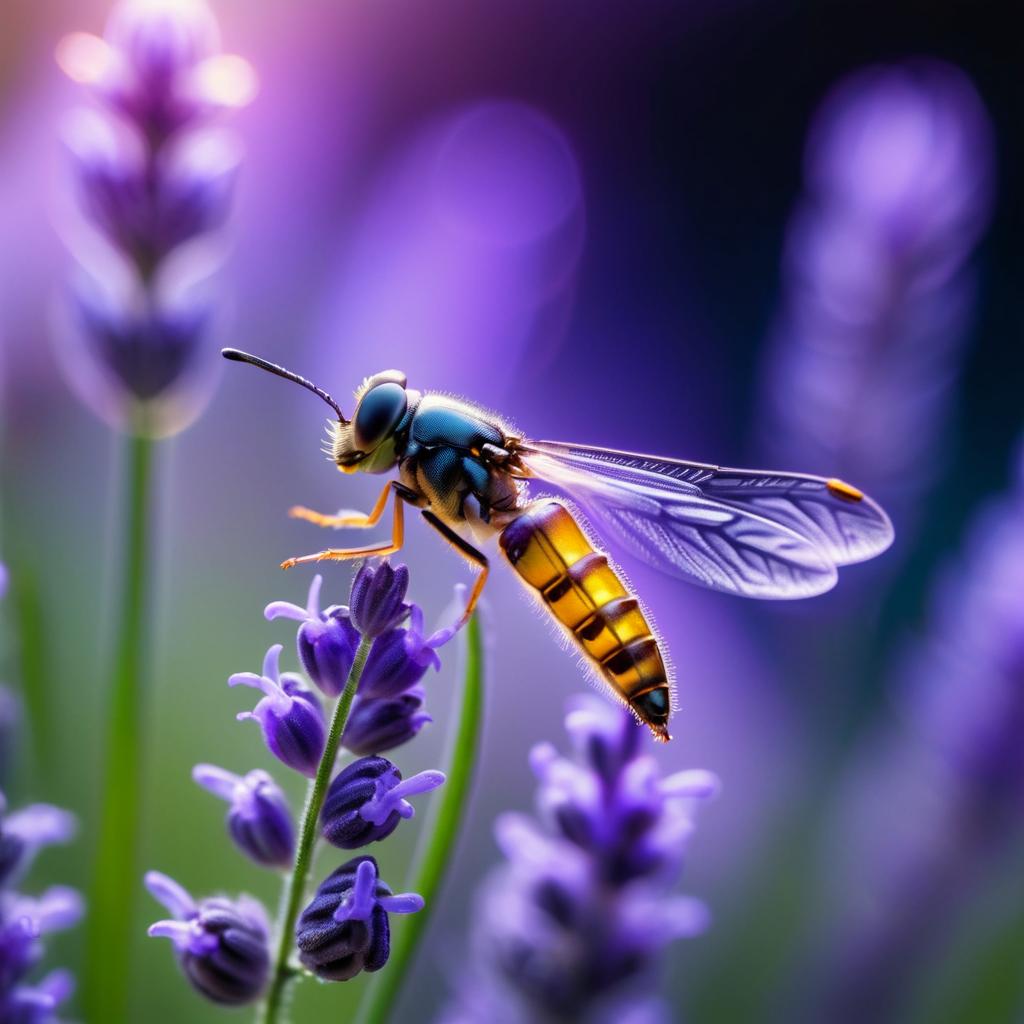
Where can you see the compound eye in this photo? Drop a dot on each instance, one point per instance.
(380, 410)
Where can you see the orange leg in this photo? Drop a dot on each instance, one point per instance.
(343, 554)
(471, 554)
(355, 520)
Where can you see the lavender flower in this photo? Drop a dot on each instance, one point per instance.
(345, 929)
(259, 819)
(378, 598)
(25, 920)
(400, 657)
(879, 288)
(289, 714)
(366, 801)
(150, 176)
(388, 710)
(376, 726)
(222, 945)
(326, 640)
(583, 904)
(944, 786)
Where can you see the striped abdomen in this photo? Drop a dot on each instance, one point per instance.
(551, 553)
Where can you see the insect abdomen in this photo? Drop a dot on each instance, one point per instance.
(546, 546)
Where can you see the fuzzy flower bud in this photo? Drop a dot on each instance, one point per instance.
(326, 640)
(222, 946)
(378, 598)
(375, 726)
(345, 929)
(289, 714)
(366, 801)
(258, 819)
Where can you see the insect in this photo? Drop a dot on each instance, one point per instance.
(749, 532)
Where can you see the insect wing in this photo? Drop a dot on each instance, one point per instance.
(842, 521)
(662, 511)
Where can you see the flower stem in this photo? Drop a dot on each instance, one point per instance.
(115, 875)
(435, 852)
(295, 884)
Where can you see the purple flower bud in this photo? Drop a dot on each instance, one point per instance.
(145, 351)
(583, 905)
(222, 945)
(613, 802)
(326, 641)
(289, 714)
(345, 929)
(376, 726)
(366, 801)
(36, 1004)
(604, 739)
(23, 922)
(158, 43)
(151, 175)
(399, 658)
(25, 832)
(148, 211)
(259, 819)
(19, 949)
(378, 598)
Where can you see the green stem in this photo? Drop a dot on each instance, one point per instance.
(295, 884)
(115, 873)
(36, 678)
(435, 854)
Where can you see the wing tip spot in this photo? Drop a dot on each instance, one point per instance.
(844, 491)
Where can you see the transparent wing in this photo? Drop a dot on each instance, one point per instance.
(748, 532)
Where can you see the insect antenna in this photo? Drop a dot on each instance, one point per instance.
(244, 357)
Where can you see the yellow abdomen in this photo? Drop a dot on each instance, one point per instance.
(546, 546)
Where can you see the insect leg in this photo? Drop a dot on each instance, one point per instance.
(355, 520)
(471, 554)
(343, 554)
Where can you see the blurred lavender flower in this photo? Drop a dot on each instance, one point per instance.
(259, 819)
(223, 946)
(150, 176)
(934, 799)
(26, 832)
(25, 920)
(879, 290)
(583, 905)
